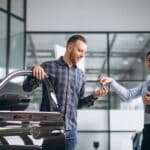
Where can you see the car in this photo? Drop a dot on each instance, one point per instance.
(22, 125)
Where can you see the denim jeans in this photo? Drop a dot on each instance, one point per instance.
(71, 139)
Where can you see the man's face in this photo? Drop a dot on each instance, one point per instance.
(78, 51)
(148, 61)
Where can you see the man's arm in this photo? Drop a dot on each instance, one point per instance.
(32, 82)
(89, 100)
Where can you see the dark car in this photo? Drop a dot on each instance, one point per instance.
(22, 125)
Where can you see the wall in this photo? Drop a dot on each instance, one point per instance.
(93, 127)
(87, 15)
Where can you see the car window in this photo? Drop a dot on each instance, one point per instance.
(13, 90)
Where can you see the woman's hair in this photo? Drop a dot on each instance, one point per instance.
(74, 38)
(148, 53)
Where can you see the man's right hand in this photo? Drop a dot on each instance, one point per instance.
(39, 73)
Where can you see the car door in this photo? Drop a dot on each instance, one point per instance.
(22, 124)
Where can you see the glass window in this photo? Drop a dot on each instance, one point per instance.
(40, 48)
(3, 4)
(3, 39)
(50, 46)
(16, 45)
(127, 54)
(127, 66)
(17, 7)
(96, 56)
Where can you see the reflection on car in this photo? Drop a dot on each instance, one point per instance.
(22, 127)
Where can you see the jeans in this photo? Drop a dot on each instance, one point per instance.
(71, 139)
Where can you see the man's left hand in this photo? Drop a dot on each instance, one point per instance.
(101, 92)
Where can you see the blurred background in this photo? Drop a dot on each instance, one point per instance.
(118, 35)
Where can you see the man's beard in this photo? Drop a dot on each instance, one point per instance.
(72, 59)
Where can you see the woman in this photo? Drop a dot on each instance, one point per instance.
(128, 94)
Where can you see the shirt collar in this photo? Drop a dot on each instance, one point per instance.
(62, 62)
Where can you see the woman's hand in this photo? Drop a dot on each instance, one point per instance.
(105, 80)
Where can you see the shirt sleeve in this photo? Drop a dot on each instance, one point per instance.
(30, 83)
(85, 101)
(124, 93)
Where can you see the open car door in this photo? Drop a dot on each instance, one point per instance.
(22, 127)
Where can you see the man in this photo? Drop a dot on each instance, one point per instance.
(127, 94)
(69, 85)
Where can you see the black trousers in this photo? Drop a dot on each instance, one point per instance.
(146, 138)
(54, 143)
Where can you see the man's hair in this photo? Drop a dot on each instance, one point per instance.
(148, 53)
(74, 38)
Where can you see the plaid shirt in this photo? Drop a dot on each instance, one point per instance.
(69, 87)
